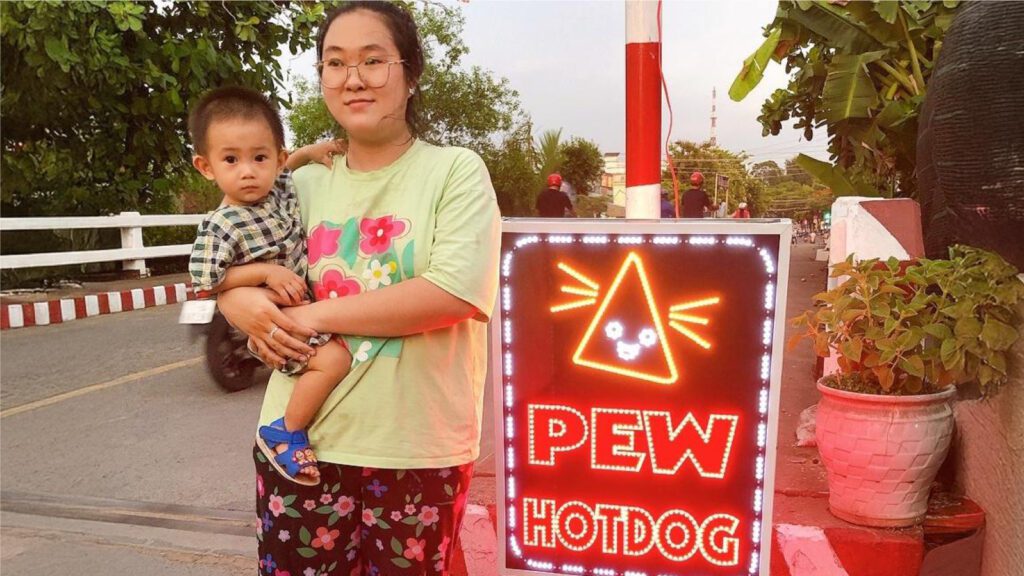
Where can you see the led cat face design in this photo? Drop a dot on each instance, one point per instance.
(629, 350)
(626, 344)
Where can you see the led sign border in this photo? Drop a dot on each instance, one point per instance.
(732, 241)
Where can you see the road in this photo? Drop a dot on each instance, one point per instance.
(115, 443)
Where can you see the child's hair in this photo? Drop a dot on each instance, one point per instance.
(232, 102)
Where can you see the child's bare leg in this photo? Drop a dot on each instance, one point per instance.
(326, 368)
(323, 372)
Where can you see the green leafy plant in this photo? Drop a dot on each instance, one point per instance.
(96, 94)
(860, 69)
(918, 327)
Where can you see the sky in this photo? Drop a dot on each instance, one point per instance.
(567, 61)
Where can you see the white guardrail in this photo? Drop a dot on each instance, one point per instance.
(132, 252)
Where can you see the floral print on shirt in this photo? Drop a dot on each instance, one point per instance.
(359, 255)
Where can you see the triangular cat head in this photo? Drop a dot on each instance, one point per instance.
(626, 336)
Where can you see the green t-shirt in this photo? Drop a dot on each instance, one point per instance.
(413, 401)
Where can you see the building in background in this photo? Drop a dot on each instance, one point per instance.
(613, 181)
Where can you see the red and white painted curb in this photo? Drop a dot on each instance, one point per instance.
(845, 551)
(805, 550)
(68, 309)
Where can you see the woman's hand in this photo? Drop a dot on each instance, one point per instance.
(321, 153)
(303, 315)
(272, 335)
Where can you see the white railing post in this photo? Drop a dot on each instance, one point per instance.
(131, 237)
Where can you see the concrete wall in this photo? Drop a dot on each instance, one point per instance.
(989, 465)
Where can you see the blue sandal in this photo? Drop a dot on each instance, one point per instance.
(296, 458)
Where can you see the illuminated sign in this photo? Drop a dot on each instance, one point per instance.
(637, 368)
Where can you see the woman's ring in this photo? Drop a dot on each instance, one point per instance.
(272, 330)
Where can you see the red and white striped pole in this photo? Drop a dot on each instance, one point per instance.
(643, 110)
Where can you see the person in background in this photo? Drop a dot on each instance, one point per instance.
(552, 202)
(668, 208)
(695, 200)
(741, 211)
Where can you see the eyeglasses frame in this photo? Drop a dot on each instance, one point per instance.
(348, 70)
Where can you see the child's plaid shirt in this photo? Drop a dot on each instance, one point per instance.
(270, 231)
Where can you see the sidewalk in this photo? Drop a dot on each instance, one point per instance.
(88, 288)
(25, 309)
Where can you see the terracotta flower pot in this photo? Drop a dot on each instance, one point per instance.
(882, 453)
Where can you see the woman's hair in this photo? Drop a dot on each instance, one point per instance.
(406, 37)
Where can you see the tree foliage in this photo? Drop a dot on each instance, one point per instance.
(796, 173)
(860, 69)
(95, 94)
(549, 156)
(710, 160)
(512, 166)
(583, 164)
(769, 171)
(520, 164)
(309, 119)
(794, 199)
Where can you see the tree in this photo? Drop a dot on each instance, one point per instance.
(583, 164)
(512, 165)
(768, 171)
(309, 119)
(95, 93)
(549, 156)
(710, 160)
(861, 69)
(797, 174)
(519, 166)
(459, 107)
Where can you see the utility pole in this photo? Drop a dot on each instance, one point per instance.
(643, 110)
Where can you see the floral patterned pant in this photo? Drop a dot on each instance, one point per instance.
(359, 521)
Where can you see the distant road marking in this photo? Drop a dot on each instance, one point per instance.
(101, 386)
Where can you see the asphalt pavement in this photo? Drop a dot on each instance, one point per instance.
(116, 445)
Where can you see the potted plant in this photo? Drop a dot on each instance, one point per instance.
(904, 336)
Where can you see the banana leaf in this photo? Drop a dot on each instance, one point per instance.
(834, 177)
(837, 28)
(753, 67)
(887, 10)
(848, 91)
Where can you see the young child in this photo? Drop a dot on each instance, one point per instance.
(255, 238)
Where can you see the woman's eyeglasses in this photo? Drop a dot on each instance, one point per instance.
(374, 72)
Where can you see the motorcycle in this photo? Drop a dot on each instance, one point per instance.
(227, 359)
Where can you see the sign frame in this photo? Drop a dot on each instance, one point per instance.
(782, 228)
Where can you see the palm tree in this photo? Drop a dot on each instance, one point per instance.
(549, 155)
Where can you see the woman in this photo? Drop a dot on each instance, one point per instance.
(403, 248)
